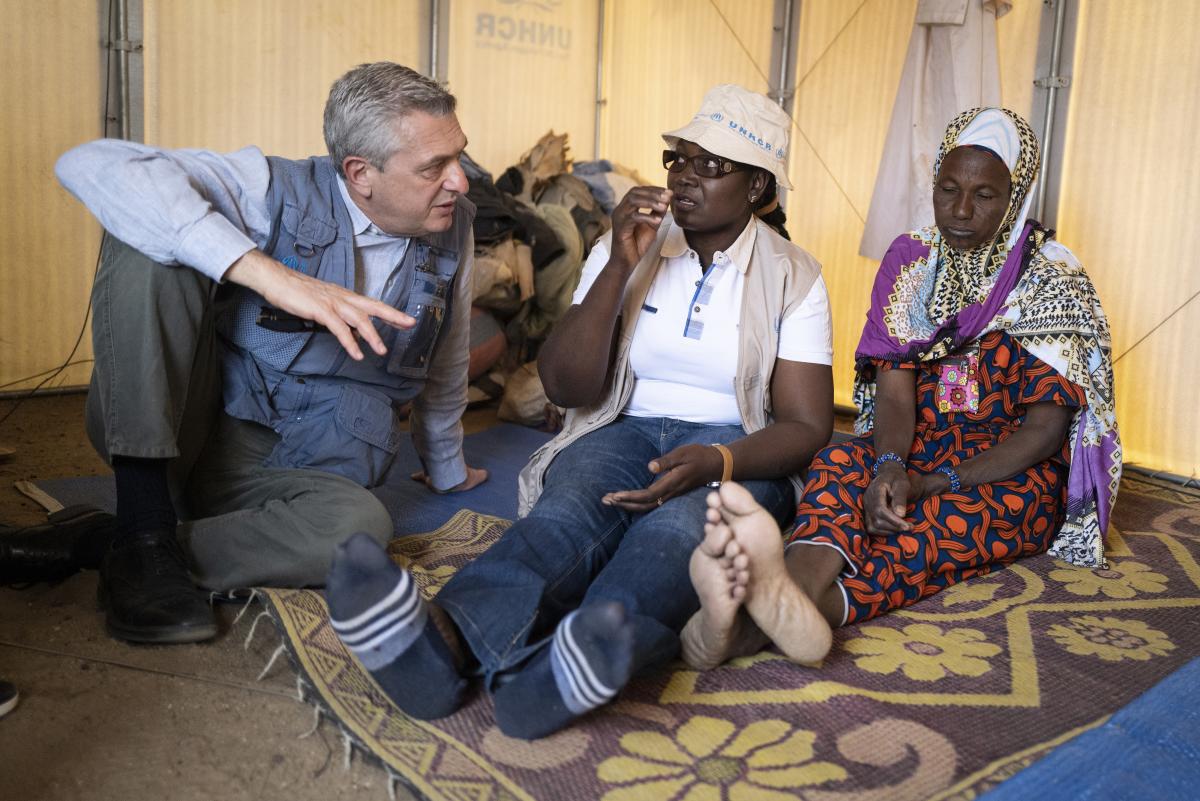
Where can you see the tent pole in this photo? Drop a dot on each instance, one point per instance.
(123, 68)
(785, 52)
(1051, 83)
(600, 100)
(435, 8)
(783, 62)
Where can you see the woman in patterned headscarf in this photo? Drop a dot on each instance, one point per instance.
(986, 426)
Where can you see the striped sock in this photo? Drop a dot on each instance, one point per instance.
(579, 684)
(385, 630)
(588, 662)
(377, 610)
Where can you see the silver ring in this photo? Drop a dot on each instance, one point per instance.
(660, 500)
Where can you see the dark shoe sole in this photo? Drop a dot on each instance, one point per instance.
(174, 634)
(160, 635)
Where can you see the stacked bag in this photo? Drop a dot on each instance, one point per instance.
(533, 230)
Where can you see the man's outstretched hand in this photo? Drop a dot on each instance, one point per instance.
(344, 313)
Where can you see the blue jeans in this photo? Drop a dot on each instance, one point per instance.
(572, 550)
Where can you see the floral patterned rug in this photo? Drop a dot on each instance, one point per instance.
(941, 701)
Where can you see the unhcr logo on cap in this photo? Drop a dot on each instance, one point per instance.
(716, 116)
(742, 130)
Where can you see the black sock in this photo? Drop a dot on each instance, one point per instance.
(143, 496)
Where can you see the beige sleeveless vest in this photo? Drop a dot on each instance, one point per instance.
(778, 278)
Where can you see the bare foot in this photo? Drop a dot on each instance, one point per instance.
(721, 585)
(774, 601)
(718, 632)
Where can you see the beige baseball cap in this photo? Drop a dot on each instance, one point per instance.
(741, 125)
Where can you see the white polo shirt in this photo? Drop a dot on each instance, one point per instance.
(685, 347)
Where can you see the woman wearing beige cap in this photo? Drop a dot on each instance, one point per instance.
(698, 350)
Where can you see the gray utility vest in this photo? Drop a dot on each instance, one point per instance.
(331, 412)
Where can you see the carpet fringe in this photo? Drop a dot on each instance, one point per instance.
(253, 628)
(393, 780)
(316, 724)
(253, 597)
(271, 662)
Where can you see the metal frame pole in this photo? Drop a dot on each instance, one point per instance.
(785, 20)
(601, 101)
(783, 88)
(435, 8)
(1051, 83)
(123, 67)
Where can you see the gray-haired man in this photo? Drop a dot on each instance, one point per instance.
(241, 388)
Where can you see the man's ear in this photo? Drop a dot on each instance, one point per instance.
(357, 170)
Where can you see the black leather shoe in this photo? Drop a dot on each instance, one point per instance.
(149, 596)
(72, 539)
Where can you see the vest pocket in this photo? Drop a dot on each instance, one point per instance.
(373, 439)
(360, 442)
(413, 347)
(368, 418)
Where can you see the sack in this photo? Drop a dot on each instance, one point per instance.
(524, 398)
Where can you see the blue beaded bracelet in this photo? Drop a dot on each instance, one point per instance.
(952, 474)
(888, 456)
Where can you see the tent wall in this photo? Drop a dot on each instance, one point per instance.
(662, 56)
(1128, 208)
(520, 69)
(223, 75)
(228, 73)
(52, 92)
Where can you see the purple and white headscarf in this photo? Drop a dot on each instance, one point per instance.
(930, 300)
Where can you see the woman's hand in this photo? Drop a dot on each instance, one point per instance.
(635, 223)
(887, 499)
(680, 471)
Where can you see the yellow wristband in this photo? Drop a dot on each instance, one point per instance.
(726, 460)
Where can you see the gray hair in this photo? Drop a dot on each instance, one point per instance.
(365, 103)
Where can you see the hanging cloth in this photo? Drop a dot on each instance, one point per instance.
(951, 66)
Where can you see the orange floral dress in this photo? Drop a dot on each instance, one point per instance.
(966, 403)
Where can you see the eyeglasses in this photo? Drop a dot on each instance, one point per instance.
(705, 165)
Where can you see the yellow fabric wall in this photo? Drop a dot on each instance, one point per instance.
(223, 75)
(1128, 209)
(660, 57)
(519, 70)
(50, 92)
